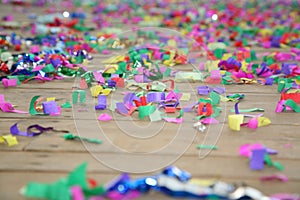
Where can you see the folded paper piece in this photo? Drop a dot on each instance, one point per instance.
(9, 139)
(7, 107)
(96, 90)
(101, 102)
(215, 98)
(257, 159)
(292, 104)
(104, 117)
(121, 108)
(9, 82)
(98, 77)
(70, 136)
(81, 94)
(155, 96)
(51, 108)
(83, 84)
(155, 116)
(146, 111)
(235, 121)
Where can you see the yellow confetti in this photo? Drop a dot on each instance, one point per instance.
(96, 90)
(106, 91)
(10, 140)
(51, 99)
(185, 97)
(211, 65)
(235, 121)
(263, 121)
(226, 56)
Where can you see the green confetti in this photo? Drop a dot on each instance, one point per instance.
(66, 105)
(213, 147)
(60, 190)
(70, 136)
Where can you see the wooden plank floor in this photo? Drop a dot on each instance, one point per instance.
(48, 157)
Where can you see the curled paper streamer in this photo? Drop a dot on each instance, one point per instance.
(279, 177)
(32, 130)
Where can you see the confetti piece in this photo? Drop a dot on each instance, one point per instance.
(104, 117)
(235, 121)
(70, 136)
(9, 139)
(279, 177)
(61, 188)
(257, 159)
(207, 147)
(9, 82)
(101, 102)
(81, 94)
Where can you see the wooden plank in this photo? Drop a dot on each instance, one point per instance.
(162, 133)
(286, 142)
(233, 167)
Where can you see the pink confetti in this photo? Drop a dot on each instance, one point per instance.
(174, 120)
(9, 82)
(209, 120)
(104, 117)
(246, 149)
(279, 177)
